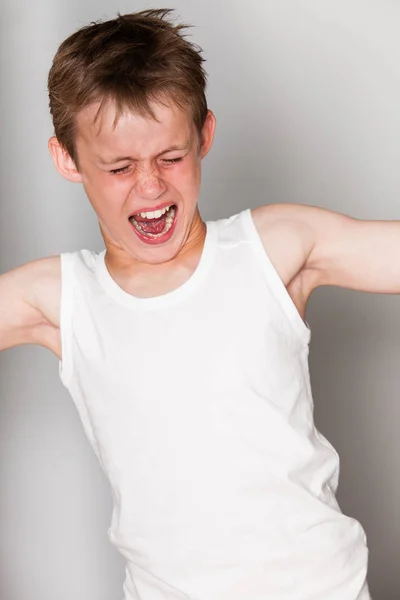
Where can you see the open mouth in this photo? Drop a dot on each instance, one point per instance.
(154, 224)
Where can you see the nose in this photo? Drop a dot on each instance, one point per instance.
(148, 185)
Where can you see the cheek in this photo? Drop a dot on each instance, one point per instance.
(108, 194)
(188, 177)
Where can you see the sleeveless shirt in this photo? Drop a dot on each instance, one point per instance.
(198, 406)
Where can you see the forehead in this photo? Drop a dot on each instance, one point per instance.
(105, 132)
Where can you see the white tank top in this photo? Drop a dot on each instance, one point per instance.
(198, 406)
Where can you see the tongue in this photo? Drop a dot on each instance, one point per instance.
(152, 225)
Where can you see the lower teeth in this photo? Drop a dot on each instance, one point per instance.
(168, 225)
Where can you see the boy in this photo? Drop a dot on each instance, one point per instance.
(183, 344)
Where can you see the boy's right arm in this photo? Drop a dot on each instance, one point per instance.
(30, 298)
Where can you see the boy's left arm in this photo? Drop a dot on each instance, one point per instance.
(355, 254)
(333, 249)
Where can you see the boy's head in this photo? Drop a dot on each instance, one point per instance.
(127, 97)
(131, 61)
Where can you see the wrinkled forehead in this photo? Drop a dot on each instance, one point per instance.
(102, 131)
(105, 120)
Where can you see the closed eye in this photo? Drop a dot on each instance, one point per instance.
(171, 161)
(121, 170)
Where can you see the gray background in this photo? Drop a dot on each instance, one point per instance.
(307, 97)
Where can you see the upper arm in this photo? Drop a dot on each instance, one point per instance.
(319, 247)
(357, 254)
(30, 303)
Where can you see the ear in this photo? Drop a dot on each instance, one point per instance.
(63, 162)
(207, 133)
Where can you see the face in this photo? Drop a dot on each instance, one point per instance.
(142, 177)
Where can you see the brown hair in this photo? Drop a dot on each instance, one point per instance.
(131, 60)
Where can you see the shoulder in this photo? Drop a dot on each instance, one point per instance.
(45, 293)
(38, 285)
(29, 304)
(287, 236)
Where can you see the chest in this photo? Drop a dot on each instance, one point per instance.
(189, 355)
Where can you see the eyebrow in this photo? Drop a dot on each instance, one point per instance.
(118, 159)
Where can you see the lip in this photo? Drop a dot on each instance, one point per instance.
(152, 208)
(161, 240)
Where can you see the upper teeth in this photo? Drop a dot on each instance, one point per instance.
(155, 214)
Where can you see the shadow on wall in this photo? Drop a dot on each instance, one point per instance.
(355, 378)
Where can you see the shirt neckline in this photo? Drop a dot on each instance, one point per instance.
(189, 286)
